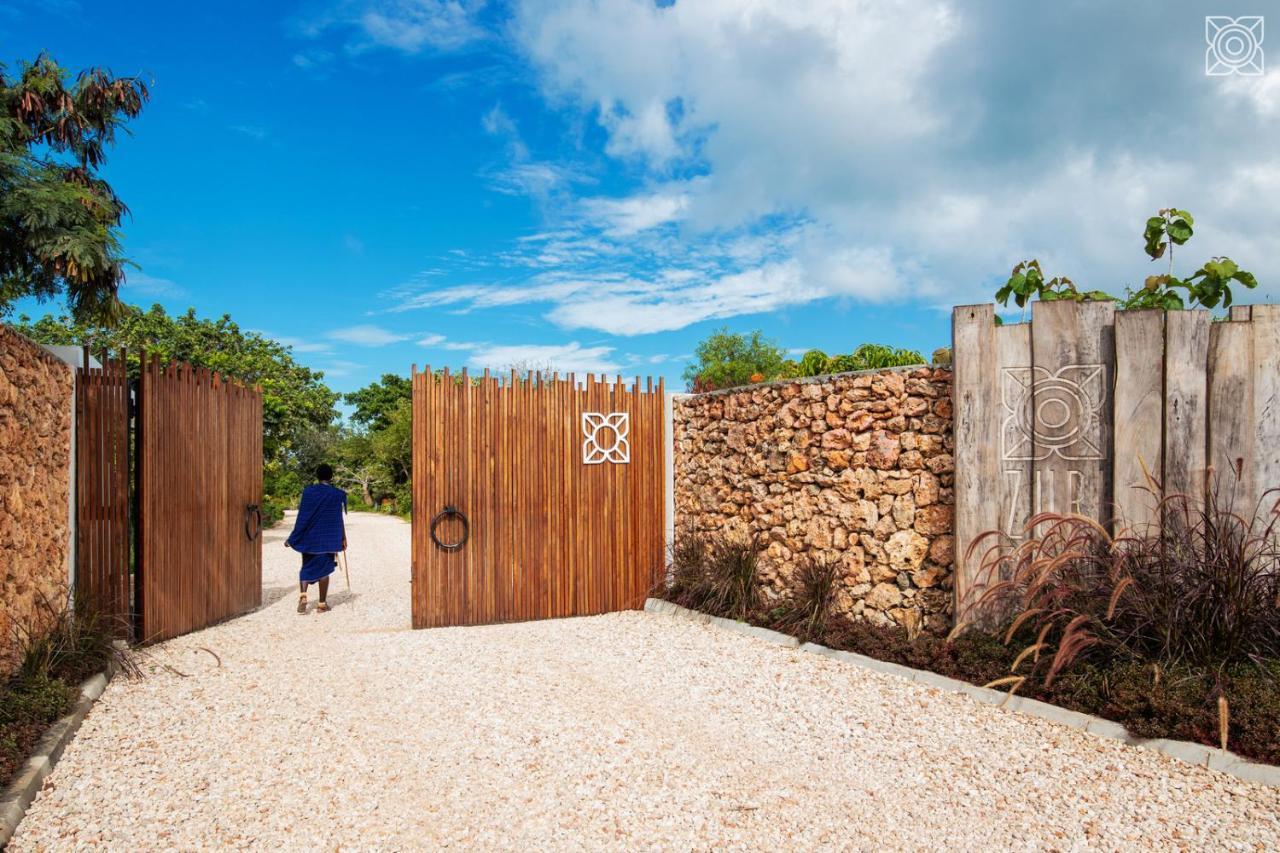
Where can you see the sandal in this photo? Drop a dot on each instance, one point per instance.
(321, 607)
(302, 603)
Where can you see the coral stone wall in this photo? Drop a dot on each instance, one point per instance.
(854, 468)
(36, 392)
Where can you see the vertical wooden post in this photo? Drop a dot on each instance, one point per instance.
(976, 421)
(1138, 457)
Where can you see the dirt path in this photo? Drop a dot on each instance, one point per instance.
(349, 730)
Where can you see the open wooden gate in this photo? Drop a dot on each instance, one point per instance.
(199, 489)
(534, 498)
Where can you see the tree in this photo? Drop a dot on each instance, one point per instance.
(295, 400)
(726, 360)
(59, 220)
(393, 445)
(375, 402)
(355, 466)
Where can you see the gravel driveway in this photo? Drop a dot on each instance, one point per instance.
(349, 730)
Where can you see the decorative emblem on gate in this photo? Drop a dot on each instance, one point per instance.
(1047, 413)
(605, 438)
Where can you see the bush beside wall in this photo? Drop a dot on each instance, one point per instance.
(36, 394)
(855, 469)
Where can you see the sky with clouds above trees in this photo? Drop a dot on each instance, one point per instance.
(597, 184)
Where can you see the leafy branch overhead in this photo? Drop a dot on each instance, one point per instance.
(1207, 287)
(59, 220)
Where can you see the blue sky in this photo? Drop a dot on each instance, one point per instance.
(597, 184)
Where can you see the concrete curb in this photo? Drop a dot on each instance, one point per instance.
(17, 798)
(657, 605)
(1192, 753)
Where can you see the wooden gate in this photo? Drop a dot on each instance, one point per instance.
(551, 491)
(199, 488)
(102, 490)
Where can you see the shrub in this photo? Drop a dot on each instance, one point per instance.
(807, 613)
(716, 575)
(272, 511)
(865, 357)
(38, 698)
(1202, 587)
(727, 360)
(54, 661)
(80, 643)
(877, 356)
(814, 363)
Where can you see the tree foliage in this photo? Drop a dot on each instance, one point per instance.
(375, 402)
(373, 458)
(295, 400)
(726, 359)
(59, 220)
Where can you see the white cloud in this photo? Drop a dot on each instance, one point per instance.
(431, 341)
(537, 180)
(409, 26)
(366, 336)
(301, 344)
(140, 284)
(1261, 92)
(251, 131)
(627, 216)
(566, 358)
(341, 368)
(312, 60)
(922, 173)
(870, 150)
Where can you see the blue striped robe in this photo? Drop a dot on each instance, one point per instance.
(319, 530)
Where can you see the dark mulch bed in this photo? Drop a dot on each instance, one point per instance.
(27, 708)
(1180, 703)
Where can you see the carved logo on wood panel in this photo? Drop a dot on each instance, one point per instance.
(606, 438)
(1047, 413)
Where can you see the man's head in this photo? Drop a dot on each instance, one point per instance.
(324, 473)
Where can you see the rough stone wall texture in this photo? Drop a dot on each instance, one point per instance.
(36, 392)
(856, 469)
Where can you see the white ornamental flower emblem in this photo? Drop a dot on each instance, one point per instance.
(605, 437)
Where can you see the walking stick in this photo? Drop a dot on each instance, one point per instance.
(346, 570)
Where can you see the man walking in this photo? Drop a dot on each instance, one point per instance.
(318, 534)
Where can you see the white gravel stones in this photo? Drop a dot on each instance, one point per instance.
(347, 730)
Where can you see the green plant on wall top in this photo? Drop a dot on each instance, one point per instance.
(1028, 281)
(814, 363)
(726, 360)
(866, 357)
(1207, 287)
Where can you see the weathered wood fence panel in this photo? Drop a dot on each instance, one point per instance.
(562, 489)
(199, 482)
(1098, 403)
(1139, 412)
(103, 532)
